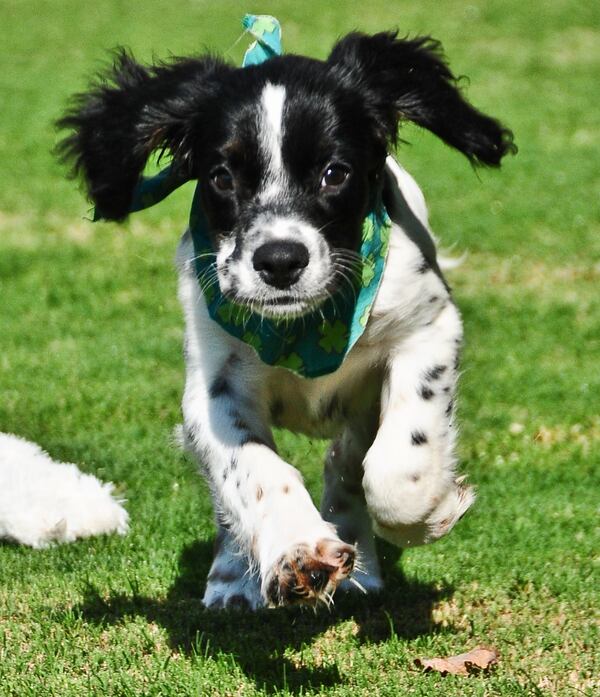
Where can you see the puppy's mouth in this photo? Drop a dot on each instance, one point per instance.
(281, 307)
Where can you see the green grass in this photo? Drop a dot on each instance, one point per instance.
(91, 368)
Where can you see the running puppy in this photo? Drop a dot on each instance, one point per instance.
(295, 183)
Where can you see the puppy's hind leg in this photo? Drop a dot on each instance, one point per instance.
(343, 504)
(231, 583)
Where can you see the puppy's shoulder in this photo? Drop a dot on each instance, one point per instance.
(399, 180)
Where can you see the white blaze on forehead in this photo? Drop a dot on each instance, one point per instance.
(271, 126)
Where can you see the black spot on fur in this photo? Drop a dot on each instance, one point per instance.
(240, 423)
(423, 266)
(253, 438)
(425, 392)
(233, 360)
(418, 438)
(436, 372)
(450, 407)
(434, 298)
(238, 602)
(272, 590)
(189, 435)
(331, 408)
(222, 576)
(276, 410)
(220, 387)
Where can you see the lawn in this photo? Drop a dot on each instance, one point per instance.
(91, 368)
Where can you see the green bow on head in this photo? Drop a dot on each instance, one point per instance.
(267, 32)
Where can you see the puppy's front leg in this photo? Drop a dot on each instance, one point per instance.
(260, 499)
(409, 478)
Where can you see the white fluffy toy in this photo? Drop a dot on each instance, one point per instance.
(43, 501)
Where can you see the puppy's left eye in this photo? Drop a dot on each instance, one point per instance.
(222, 179)
(334, 176)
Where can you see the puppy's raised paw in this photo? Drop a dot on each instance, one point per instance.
(446, 511)
(309, 574)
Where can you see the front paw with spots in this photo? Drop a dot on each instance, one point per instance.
(309, 573)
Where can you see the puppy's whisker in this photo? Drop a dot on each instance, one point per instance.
(348, 254)
(328, 600)
(352, 266)
(348, 280)
(348, 262)
(357, 584)
(208, 278)
(358, 566)
(204, 255)
(327, 224)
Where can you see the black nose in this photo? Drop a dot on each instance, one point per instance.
(280, 263)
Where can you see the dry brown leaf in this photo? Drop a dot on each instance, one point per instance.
(480, 658)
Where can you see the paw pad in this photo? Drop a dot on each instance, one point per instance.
(309, 574)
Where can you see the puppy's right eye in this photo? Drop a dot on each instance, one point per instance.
(222, 179)
(334, 176)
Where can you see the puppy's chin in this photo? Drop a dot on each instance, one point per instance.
(284, 311)
(282, 308)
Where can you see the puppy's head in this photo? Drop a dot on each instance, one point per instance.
(289, 153)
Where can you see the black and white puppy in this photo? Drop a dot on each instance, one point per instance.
(290, 154)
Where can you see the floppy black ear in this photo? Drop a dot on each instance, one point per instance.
(129, 112)
(408, 79)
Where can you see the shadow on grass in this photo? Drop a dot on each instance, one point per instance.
(257, 641)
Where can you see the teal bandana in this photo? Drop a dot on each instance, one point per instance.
(311, 345)
(267, 32)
